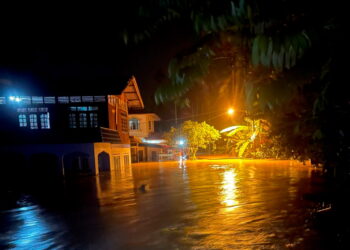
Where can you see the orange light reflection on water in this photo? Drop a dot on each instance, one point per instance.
(229, 190)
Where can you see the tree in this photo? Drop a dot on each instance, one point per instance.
(196, 135)
(241, 137)
(286, 58)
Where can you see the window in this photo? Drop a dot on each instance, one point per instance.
(32, 115)
(22, 119)
(117, 163)
(83, 120)
(124, 121)
(87, 118)
(82, 108)
(32, 109)
(33, 121)
(149, 125)
(124, 125)
(22, 110)
(49, 99)
(63, 99)
(25, 99)
(134, 124)
(75, 99)
(126, 160)
(37, 100)
(2, 100)
(93, 120)
(99, 99)
(45, 121)
(44, 110)
(87, 99)
(92, 108)
(72, 120)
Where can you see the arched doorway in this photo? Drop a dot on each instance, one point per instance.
(103, 162)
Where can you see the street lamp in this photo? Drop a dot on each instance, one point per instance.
(15, 99)
(181, 143)
(230, 111)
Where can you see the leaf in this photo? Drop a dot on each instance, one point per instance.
(233, 9)
(255, 51)
(280, 58)
(275, 60)
(235, 131)
(269, 53)
(317, 135)
(288, 58)
(243, 148)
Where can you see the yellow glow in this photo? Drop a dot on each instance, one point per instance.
(229, 190)
(252, 138)
(228, 129)
(230, 111)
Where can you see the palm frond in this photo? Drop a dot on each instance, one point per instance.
(239, 128)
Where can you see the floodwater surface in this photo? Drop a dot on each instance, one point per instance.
(232, 204)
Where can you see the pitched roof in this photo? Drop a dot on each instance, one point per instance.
(133, 95)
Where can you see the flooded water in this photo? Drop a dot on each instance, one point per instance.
(201, 205)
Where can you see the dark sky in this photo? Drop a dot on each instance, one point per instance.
(70, 52)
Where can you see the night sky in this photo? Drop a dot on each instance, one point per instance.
(76, 51)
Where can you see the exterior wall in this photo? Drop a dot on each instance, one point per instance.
(75, 148)
(135, 154)
(59, 131)
(122, 119)
(62, 151)
(112, 112)
(144, 129)
(123, 152)
(101, 147)
(153, 153)
(148, 152)
(113, 151)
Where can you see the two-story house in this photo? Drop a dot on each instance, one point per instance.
(142, 125)
(68, 134)
(146, 142)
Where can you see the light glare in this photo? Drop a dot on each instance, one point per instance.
(228, 129)
(153, 141)
(230, 111)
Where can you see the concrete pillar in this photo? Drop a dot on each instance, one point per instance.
(93, 163)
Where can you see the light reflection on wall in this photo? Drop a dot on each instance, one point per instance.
(229, 190)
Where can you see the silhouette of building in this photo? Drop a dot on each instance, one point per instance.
(69, 134)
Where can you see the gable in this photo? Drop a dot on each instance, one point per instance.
(132, 94)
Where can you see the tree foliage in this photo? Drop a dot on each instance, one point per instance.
(196, 135)
(291, 61)
(241, 137)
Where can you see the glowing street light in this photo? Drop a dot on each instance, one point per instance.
(15, 99)
(230, 111)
